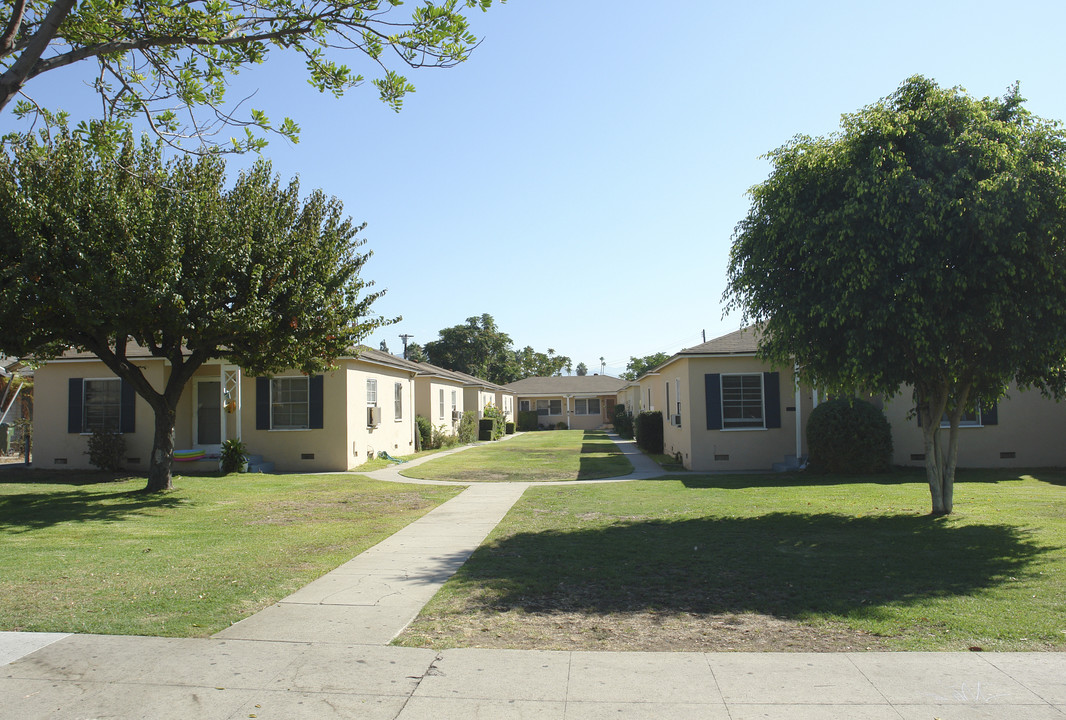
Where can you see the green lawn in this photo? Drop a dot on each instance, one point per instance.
(812, 557)
(104, 558)
(531, 457)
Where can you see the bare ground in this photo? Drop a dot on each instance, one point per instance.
(633, 631)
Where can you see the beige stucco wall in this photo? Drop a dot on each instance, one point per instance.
(1030, 426)
(53, 446)
(725, 450)
(392, 435)
(475, 398)
(427, 401)
(508, 403)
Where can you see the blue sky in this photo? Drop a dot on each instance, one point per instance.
(580, 177)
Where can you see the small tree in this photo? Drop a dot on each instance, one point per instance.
(107, 243)
(921, 246)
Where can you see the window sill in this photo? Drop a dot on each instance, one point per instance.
(288, 429)
(751, 429)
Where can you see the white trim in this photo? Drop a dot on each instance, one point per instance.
(290, 377)
(209, 448)
(762, 398)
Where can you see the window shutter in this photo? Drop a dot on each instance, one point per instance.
(314, 402)
(127, 412)
(991, 415)
(262, 403)
(772, 399)
(713, 390)
(74, 393)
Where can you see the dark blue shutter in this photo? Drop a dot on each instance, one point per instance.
(74, 393)
(991, 415)
(127, 411)
(314, 403)
(771, 383)
(713, 391)
(262, 403)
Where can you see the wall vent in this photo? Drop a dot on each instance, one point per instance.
(60, 461)
(307, 456)
(1007, 456)
(133, 461)
(918, 456)
(790, 408)
(722, 458)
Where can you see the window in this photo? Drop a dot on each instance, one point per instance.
(591, 406)
(523, 406)
(970, 418)
(676, 419)
(742, 401)
(398, 400)
(289, 403)
(371, 392)
(442, 403)
(455, 403)
(549, 407)
(101, 405)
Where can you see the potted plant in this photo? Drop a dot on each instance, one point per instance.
(234, 457)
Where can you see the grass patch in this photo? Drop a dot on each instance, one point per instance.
(531, 457)
(378, 463)
(761, 562)
(102, 557)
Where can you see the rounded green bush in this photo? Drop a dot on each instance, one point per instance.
(849, 436)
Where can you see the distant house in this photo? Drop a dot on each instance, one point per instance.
(583, 402)
(334, 421)
(724, 409)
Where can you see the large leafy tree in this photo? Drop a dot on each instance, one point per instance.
(922, 246)
(104, 244)
(477, 347)
(637, 366)
(170, 62)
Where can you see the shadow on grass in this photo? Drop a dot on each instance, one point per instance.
(600, 458)
(784, 564)
(25, 512)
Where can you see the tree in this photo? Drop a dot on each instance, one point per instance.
(921, 246)
(582, 369)
(477, 348)
(104, 244)
(531, 363)
(637, 366)
(415, 353)
(165, 61)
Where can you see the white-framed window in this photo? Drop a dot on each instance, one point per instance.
(650, 407)
(587, 406)
(523, 406)
(970, 418)
(455, 402)
(676, 419)
(549, 407)
(101, 405)
(397, 396)
(371, 392)
(442, 403)
(290, 403)
(742, 401)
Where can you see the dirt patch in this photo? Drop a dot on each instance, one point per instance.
(640, 631)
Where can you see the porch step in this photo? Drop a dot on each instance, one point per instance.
(256, 464)
(791, 463)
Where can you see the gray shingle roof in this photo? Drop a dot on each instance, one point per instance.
(567, 385)
(739, 342)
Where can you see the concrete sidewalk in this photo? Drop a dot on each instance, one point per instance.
(86, 676)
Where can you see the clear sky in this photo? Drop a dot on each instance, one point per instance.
(580, 177)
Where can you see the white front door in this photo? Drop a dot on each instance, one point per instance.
(207, 430)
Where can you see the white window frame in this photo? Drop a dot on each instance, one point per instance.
(274, 390)
(581, 406)
(442, 404)
(743, 423)
(455, 402)
(974, 420)
(397, 399)
(371, 392)
(523, 406)
(677, 403)
(85, 429)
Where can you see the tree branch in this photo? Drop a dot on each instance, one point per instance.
(21, 70)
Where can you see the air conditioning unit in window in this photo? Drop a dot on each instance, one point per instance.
(676, 420)
(456, 416)
(373, 416)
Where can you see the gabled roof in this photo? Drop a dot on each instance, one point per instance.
(567, 385)
(739, 342)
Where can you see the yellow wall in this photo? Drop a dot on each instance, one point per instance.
(1029, 426)
(427, 401)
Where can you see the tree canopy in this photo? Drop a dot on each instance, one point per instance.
(170, 62)
(104, 244)
(478, 347)
(637, 366)
(920, 247)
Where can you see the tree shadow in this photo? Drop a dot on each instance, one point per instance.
(789, 565)
(600, 458)
(25, 512)
(896, 476)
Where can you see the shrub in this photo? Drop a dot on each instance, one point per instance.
(232, 457)
(622, 421)
(508, 428)
(468, 427)
(561, 425)
(106, 450)
(494, 413)
(649, 431)
(443, 438)
(527, 420)
(486, 429)
(849, 435)
(425, 432)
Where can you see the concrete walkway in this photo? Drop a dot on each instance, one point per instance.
(322, 653)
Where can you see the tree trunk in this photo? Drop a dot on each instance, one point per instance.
(162, 461)
(931, 404)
